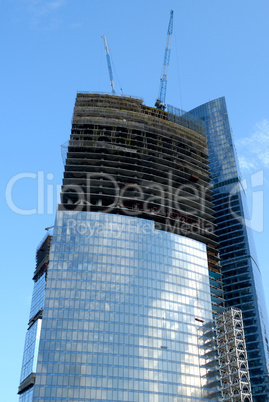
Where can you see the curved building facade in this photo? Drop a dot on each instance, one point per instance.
(126, 158)
(133, 272)
(123, 301)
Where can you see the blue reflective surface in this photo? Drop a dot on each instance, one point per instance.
(32, 336)
(223, 164)
(27, 396)
(119, 315)
(38, 296)
(31, 350)
(241, 275)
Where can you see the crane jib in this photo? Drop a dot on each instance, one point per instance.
(160, 102)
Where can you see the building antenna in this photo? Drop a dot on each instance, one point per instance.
(109, 65)
(160, 101)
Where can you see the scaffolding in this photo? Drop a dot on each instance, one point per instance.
(142, 149)
(234, 373)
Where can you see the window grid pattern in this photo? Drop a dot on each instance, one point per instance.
(27, 396)
(119, 316)
(38, 296)
(242, 281)
(223, 164)
(31, 350)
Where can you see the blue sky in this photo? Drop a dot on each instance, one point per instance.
(53, 48)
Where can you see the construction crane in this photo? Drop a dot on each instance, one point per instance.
(160, 101)
(50, 227)
(109, 65)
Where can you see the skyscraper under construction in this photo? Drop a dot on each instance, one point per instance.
(130, 275)
(128, 284)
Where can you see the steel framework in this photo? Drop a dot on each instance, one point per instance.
(160, 102)
(234, 374)
(109, 65)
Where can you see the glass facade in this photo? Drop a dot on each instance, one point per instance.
(38, 295)
(31, 346)
(33, 333)
(123, 305)
(241, 274)
(31, 350)
(27, 396)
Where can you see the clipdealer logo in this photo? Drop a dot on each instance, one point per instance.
(43, 193)
(161, 196)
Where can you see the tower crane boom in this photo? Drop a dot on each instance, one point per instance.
(160, 102)
(109, 65)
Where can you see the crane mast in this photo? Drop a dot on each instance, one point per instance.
(160, 102)
(109, 65)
